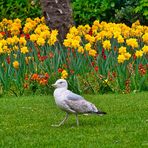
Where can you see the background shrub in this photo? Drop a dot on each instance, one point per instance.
(90, 10)
(22, 9)
(132, 10)
(126, 11)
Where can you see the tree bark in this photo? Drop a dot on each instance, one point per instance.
(58, 15)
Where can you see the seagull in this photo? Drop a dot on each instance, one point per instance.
(70, 102)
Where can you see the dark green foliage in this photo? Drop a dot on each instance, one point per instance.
(91, 10)
(22, 9)
(126, 11)
(142, 9)
(132, 10)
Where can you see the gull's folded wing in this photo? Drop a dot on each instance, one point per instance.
(72, 96)
(81, 106)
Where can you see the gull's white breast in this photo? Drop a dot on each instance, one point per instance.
(60, 96)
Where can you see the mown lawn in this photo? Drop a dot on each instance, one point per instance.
(26, 122)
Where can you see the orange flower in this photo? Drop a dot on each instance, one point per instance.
(43, 81)
(26, 85)
(34, 77)
(51, 55)
(26, 77)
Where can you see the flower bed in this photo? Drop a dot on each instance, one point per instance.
(98, 58)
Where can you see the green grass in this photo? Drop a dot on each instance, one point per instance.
(26, 122)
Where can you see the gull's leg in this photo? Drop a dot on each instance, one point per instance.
(77, 120)
(62, 122)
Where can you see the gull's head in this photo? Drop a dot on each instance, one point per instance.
(60, 83)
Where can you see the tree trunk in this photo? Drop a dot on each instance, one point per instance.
(58, 15)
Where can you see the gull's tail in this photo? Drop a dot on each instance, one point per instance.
(97, 111)
(100, 113)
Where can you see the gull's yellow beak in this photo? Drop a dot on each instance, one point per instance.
(53, 85)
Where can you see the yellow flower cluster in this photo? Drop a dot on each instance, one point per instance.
(1, 49)
(53, 37)
(34, 30)
(84, 39)
(22, 41)
(16, 64)
(15, 27)
(106, 44)
(41, 41)
(32, 24)
(123, 55)
(87, 46)
(109, 35)
(12, 26)
(139, 53)
(74, 40)
(83, 30)
(145, 38)
(64, 74)
(132, 42)
(89, 38)
(42, 35)
(24, 50)
(81, 49)
(12, 44)
(92, 52)
(145, 49)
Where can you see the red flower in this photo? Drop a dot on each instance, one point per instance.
(104, 57)
(22, 35)
(142, 69)
(96, 68)
(60, 70)
(65, 66)
(42, 58)
(96, 55)
(8, 60)
(9, 33)
(134, 56)
(39, 54)
(90, 32)
(114, 74)
(103, 51)
(68, 53)
(27, 36)
(3, 33)
(72, 71)
(103, 54)
(73, 50)
(115, 48)
(46, 75)
(26, 77)
(93, 64)
(51, 55)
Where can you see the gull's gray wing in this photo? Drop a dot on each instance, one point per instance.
(72, 96)
(81, 106)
